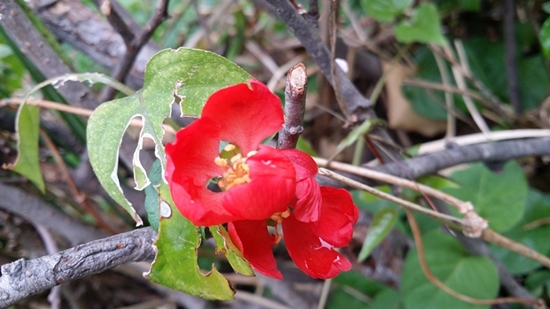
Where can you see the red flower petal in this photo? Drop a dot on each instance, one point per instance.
(310, 253)
(309, 199)
(254, 241)
(244, 116)
(308, 193)
(338, 216)
(190, 165)
(270, 190)
(303, 163)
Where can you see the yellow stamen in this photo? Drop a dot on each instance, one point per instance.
(237, 172)
(220, 162)
(279, 216)
(229, 147)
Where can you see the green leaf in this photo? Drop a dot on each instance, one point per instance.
(545, 38)
(365, 127)
(381, 225)
(372, 203)
(152, 201)
(529, 233)
(470, 5)
(387, 299)
(340, 298)
(352, 290)
(305, 146)
(424, 26)
(536, 282)
(175, 265)
(385, 10)
(188, 76)
(546, 7)
(358, 282)
(499, 198)
(474, 276)
(28, 130)
(225, 245)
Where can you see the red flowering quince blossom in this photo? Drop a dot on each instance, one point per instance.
(263, 190)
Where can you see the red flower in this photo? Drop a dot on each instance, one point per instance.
(261, 187)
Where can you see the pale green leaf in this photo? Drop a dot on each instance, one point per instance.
(188, 76)
(28, 130)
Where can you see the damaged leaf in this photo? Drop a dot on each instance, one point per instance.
(185, 76)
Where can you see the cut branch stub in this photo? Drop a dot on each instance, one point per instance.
(295, 101)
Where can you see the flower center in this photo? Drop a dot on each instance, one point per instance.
(278, 218)
(236, 171)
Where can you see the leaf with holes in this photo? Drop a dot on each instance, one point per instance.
(185, 76)
(175, 265)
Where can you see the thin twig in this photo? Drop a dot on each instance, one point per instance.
(357, 185)
(333, 27)
(203, 23)
(461, 206)
(221, 10)
(528, 136)
(116, 16)
(295, 101)
(324, 294)
(77, 195)
(510, 54)
(415, 82)
(132, 49)
(459, 78)
(501, 241)
(449, 101)
(264, 57)
(72, 110)
(495, 104)
(273, 82)
(310, 39)
(472, 225)
(537, 303)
